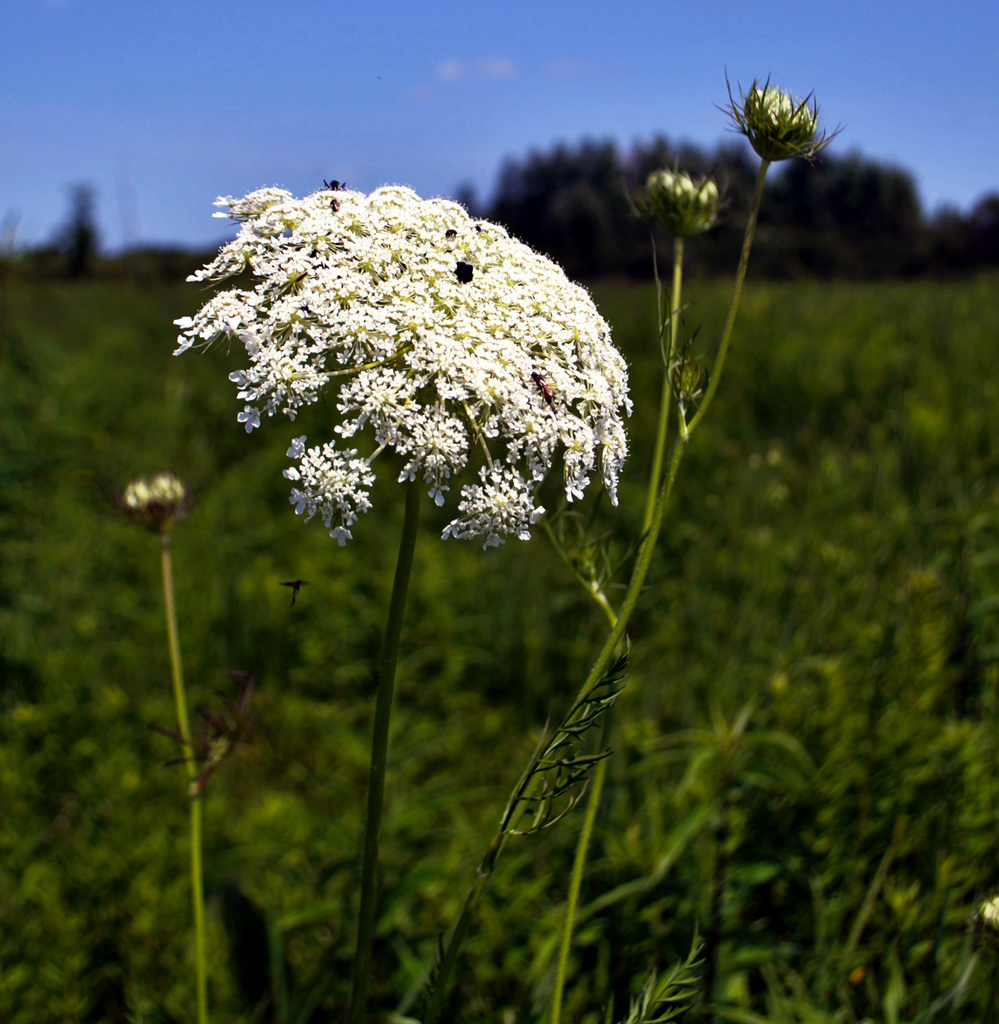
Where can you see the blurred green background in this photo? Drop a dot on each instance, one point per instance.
(832, 554)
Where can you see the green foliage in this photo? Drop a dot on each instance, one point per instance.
(832, 556)
(557, 772)
(665, 998)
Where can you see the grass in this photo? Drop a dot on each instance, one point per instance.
(832, 555)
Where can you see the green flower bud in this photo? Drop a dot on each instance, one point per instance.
(688, 380)
(678, 204)
(778, 125)
(155, 504)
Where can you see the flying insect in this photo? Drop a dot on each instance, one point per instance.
(296, 586)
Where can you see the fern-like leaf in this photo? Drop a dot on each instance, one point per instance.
(666, 998)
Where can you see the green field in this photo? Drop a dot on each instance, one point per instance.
(831, 554)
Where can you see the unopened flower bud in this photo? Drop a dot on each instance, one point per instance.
(778, 125)
(989, 913)
(678, 204)
(688, 381)
(156, 503)
(985, 922)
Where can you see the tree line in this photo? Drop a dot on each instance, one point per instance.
(840, 217)
(845, 217)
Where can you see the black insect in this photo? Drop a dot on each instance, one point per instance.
(544, 387)
(464, 272)
(450, 233)
(334, 186)
(296, 586)
(478, 227)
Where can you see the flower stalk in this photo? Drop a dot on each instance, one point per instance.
(379, 754)
(653, 518)
(578, 867)
(667, 336)
(740, 277)
(184, 728)
(509, 822)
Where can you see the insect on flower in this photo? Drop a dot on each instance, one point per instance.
(544, 387)
(464, 272)
(450, 234)
(334, 186)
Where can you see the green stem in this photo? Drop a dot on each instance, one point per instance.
(578, 866)
(664, 401)
(632, 595)
(988, 1016)
(596, 788)
(379, 753)
(597, 785)
(198, 888)
(740, 276)
(184, 728)
(713, 938)
(590, 585)
(485, 869)
(482, 875)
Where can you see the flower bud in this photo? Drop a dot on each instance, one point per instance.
(778, 125)
(688, 380)
(678, 204)
(985, 922)
(155, 504)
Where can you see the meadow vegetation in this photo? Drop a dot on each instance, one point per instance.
(805, 753)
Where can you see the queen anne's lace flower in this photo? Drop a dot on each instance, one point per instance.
(435, 324)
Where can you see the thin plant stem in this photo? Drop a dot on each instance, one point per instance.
(639, 572)
(740, 276)
(487, 865)
(989, 1016)
(184, 728)
(379, 753)
(591, 585)
(579, 864)
(713, 938)
(659, 453)
(668, 328)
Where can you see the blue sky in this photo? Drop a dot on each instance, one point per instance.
(162, 106)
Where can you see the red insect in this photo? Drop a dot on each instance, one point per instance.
(544, 387)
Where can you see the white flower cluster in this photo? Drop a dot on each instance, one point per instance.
(448, 335)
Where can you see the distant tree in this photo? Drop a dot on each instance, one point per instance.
(839, 217)
(466, 195)
(983, 225)
(842, 217)
(79, 239)
(571, 204)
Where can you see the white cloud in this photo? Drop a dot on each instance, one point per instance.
(450, 70)
(424, 93)
(496, 67)
(562, 68)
